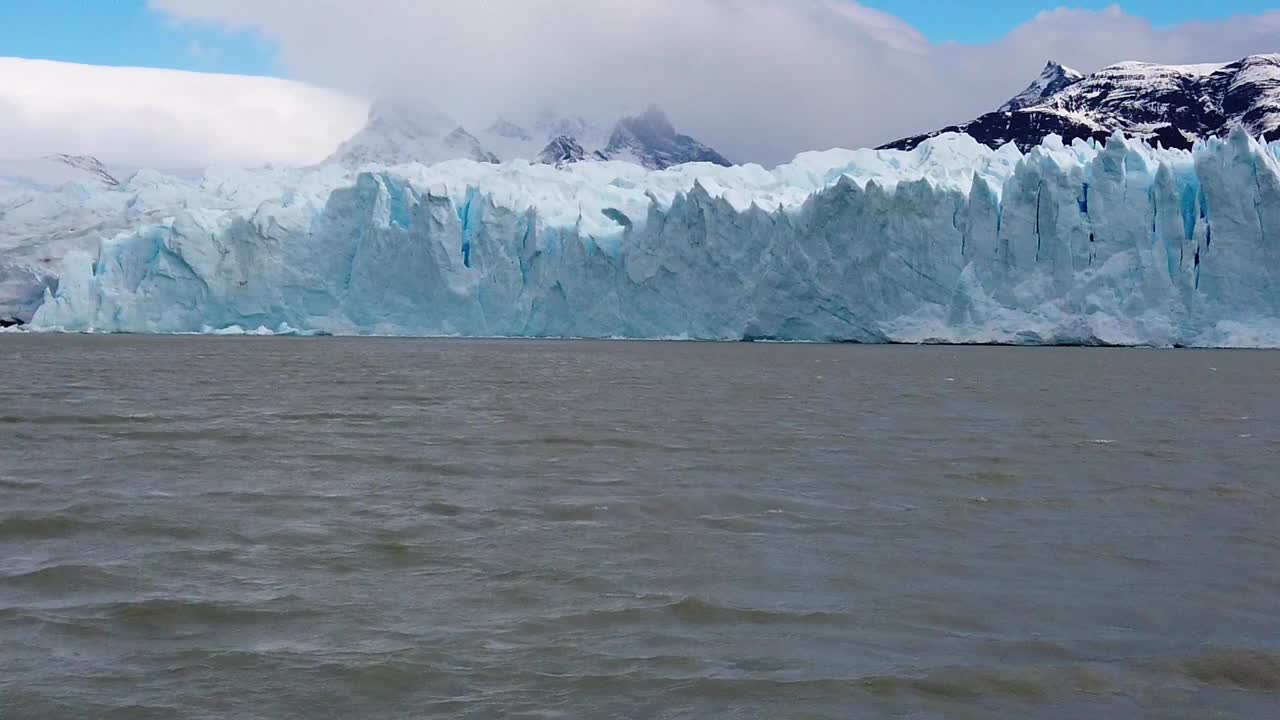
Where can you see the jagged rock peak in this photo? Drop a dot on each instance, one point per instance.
(1053, 79)
(562, 150)
(651, 140)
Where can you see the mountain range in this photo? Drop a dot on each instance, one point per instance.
(398, 133)
(1170, 105)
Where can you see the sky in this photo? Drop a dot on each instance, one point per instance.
(126, 33)
(758, 79)
(129, 32)
(954, 21)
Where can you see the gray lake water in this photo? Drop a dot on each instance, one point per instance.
(373, 528)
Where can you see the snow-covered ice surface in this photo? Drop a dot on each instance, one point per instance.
(952, 242)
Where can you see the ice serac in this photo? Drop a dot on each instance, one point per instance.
(1114, 243)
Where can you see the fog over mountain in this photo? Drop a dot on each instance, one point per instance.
(756, 79)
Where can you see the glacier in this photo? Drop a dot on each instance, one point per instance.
(1112, 243)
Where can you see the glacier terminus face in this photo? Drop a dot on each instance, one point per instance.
(1112, 243)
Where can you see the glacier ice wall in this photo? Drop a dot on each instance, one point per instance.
(1116, 244)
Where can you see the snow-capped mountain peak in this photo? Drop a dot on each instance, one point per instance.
(399, 132)
(650, 139)
(1172, 105)
(565, 150)
(1253, 94)
(1053, 79)
(416, 119)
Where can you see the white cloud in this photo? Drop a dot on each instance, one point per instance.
(167, 118)
(762, 79)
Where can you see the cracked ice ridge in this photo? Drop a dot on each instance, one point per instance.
(951, 242)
